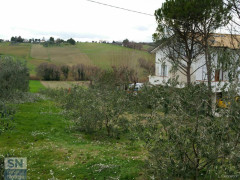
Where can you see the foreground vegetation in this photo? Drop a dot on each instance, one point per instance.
(43, 136)
(35, 127)
(181, 138)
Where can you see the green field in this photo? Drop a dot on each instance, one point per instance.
(42, 134)
(35, 86)
(101, 55)
(20, 50)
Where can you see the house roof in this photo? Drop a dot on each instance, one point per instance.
(218, 40)
(225, 40)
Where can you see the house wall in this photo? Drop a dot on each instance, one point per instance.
(160, 59)
(199, 69)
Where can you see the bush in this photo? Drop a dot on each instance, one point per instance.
(65, 70)
(148, 66)
(48, 72)
(183, 140)
(14, 76)
(95, 110)
(119, 77)
(71, 41)
(79, 72)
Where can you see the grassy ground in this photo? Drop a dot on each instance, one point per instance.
(35, 86)
(106, 55)
(63, 84)
(42, 134)
(18, 50)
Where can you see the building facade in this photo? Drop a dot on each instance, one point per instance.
(164, 66)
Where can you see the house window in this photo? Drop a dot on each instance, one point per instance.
(217, 75)
(163, 70)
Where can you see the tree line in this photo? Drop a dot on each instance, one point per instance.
(81, 72)
(51, 40)
(133, 45)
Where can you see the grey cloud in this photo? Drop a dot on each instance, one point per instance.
(66, 35)
(142, 28)
(63, 35)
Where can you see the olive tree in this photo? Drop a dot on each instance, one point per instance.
(182, 140)
(14, 76)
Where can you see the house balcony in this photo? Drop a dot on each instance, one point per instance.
(158, 80)
(217, 86)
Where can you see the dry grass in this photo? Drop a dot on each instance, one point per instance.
(107, 55)
(39, 52)
(60, 55)
(63, 84)
(15, 50)
(68, 55)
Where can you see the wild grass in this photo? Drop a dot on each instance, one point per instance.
(63, 84)
(39, 52)
(36, 86)
(106, 55)
(68, 55)
(60, 55)
(42, 135)
(19, 50)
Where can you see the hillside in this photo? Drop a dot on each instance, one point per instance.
(101, 55)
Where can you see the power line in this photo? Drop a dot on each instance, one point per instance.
(120, 8)
(104, 4)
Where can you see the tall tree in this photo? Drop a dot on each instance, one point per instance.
(71, 41)
(186, 23)
(51, 39)
(235, 5)
(13, 39)
(178, 32)
(125, 42)
(210, 15)
(191, 24)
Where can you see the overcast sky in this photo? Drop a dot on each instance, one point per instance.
(79, 19)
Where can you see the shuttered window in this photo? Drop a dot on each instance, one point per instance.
(164, 70)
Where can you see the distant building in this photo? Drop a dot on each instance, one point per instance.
(163, 65)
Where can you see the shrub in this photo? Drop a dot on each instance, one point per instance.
(95, 110)
(71, 41)
(119, 77)
(148, 66)
(81, 72)
(65, 70)
(183, 140)
(48, 72)
(92, 73)
(14, 76)
(78, 72)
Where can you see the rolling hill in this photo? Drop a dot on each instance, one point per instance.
(101, 55)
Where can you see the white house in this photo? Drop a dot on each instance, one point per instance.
(163, 65)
